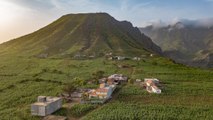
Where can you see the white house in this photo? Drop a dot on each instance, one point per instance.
(118, 77)
(136, 58)
(103, 92)
(155, 80)
(46, 105)
(155, 89)
(151, 85)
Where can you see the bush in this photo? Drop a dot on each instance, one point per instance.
(131, 81)
(154, 63)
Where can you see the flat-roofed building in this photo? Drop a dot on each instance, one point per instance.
(46, 105)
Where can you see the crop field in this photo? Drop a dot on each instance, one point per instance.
(187, 93)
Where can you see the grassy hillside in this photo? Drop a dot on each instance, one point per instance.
(187, 92)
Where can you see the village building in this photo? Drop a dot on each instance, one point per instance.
(120, 58)
(103, 85)
(108, 54)
(102, 80)
(110, 58)
(111, 82)
(119, 78)
(116, 58)
(46, 105)
(76, 94)
(101, 94)
(151, 85)
(79, 56)
(138, 80)
(153, 89)
(136, 58)
(104, 93)
(155, 80)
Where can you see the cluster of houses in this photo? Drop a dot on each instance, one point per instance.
(46, 105)
(120, 58)
(106, 88)
(107, 85)
(110, 56)
(151, 85)
(84, 56)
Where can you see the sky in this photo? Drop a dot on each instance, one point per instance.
(20, 17)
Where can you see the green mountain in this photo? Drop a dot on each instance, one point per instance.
(188, 44)
(95, 33)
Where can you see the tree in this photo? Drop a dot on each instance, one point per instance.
(69, 88)
(85, 96)
(79, 82)
(97, 75)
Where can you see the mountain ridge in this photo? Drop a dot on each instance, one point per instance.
(188, 44)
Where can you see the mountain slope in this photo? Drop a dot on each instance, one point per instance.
(94, 33)
(192, 45)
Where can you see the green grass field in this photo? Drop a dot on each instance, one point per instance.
(187, 92)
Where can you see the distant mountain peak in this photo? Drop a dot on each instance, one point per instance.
(184, 41)
(179, 25)
(85, 33)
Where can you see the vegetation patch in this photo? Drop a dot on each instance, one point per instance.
(124, 111)
(79, 110)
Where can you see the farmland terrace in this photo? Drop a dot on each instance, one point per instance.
(186, 94)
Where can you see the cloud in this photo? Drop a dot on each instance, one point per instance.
(208, 22)
(158, 24)
(34, 4)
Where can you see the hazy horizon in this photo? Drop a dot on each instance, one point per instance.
(20, 17)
